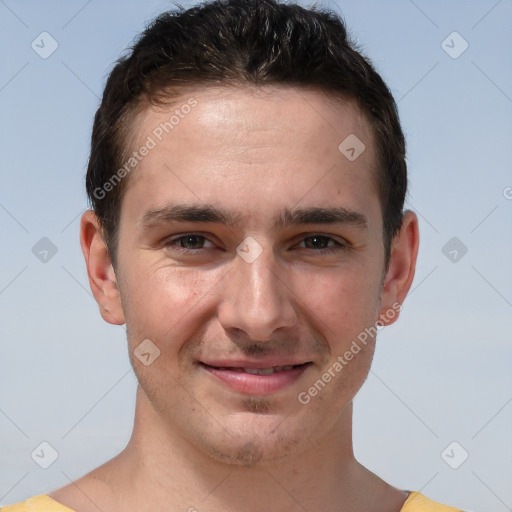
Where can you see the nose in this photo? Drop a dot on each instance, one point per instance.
(256, 298)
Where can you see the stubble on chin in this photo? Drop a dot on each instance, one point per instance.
(256, 405)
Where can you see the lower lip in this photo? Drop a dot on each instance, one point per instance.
(250, 384)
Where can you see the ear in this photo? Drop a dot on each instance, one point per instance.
(402, 264)
(102, 278)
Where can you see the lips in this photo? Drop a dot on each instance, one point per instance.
(255, 378)
(258, 371)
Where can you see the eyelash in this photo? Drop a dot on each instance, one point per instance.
(329, 250)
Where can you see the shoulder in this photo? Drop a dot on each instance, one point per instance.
(39, 503)
(416, 502)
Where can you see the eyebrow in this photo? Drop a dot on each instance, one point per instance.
(210, 213)
(319, 215)
(189, 213)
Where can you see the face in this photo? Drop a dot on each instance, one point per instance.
(250, 254)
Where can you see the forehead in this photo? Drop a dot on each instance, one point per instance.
(237, 112)
(261, 143)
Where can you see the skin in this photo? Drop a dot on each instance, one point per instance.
(196, 443)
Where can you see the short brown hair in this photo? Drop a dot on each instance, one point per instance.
(253, 42)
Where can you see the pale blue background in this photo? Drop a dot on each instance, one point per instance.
(442, 374)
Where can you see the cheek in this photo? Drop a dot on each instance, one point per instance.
(345, 300)
(161, 301)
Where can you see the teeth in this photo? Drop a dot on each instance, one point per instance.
(267, 371)
(257, 371)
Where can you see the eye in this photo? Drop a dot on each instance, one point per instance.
(191, 242)
(322, 244)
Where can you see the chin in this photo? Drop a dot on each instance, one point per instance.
(256, 440)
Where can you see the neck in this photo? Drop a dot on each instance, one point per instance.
(160, 469)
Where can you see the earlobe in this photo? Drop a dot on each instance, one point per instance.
(102, 278)
(402, 265)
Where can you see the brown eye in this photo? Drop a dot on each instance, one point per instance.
(192, 241)
(322, 244)
(317, 242)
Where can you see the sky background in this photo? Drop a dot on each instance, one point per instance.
(440, 389)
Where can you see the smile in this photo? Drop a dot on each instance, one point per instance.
(257, 381)
(260, 371)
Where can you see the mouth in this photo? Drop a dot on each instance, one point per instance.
(256, 380)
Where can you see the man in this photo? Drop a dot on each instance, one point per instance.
(247, 178)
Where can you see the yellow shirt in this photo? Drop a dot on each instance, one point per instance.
(415, 502)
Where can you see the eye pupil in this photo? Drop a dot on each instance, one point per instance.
(316, 242)
(192, 242)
